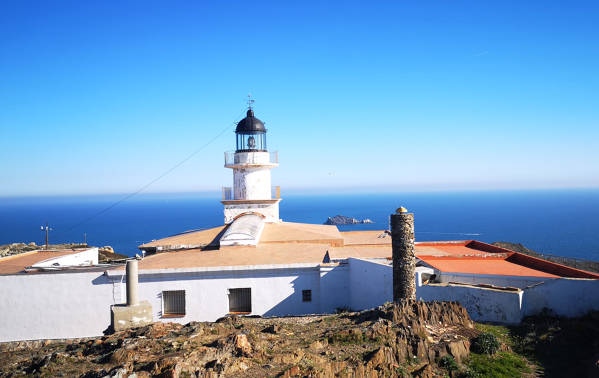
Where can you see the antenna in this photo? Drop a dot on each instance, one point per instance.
(47, 229)
(250, 101)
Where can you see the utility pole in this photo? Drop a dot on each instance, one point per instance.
(47, 229)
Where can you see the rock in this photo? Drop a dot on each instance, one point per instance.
(341, 219)
(317, 345)
(374, 343)
(118, 373)
(32, 244)
(106, 249)
(273, 328)
(459, 349)
(242, 345)
(293, 371)
(383, 356)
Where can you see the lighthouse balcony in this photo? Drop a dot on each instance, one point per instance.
(228, 194)
(240, 159)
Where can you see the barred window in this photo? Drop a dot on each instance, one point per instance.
(306, 295)
(173, 303)
(240, 300)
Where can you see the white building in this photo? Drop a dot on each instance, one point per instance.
(257, 264)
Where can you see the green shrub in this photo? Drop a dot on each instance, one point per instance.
(448, 363)
(485, 343)
(500, 365)
(468, 373)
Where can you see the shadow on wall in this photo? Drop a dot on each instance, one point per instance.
(329, 290)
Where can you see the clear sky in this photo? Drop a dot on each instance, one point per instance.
(103, 97)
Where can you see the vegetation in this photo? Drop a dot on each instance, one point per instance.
(544, 345)
(502, 364)
(448, 363)
(485, 343)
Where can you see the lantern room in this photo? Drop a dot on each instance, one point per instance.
(251, 134)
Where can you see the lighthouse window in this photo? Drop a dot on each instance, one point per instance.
(251, 142)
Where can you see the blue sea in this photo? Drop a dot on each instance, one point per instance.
(558, 222)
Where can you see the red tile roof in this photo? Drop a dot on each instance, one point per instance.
(482, 265)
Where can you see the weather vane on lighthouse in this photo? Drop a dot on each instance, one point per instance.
(250, 101)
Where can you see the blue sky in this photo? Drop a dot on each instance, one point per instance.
(103, 97)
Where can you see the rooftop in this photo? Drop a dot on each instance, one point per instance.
(291, 243)
(17, 263)
(264, 254)
(482, 265)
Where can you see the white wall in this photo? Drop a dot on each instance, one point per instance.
(370, 284)
(77, 304)
(482, 304)
(275, 291)
(334, 288)
(493, 279)
(564, 296)
(251, 183)
(54, 305)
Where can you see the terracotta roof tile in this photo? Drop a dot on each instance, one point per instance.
(482, 265)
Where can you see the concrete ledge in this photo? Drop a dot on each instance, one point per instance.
(123, 316)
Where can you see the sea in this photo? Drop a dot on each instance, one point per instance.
(556, 222)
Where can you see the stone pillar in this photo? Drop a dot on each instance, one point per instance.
(404, 259)
(132, 283)
(134, 313)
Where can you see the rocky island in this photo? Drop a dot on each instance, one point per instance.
(341, 219)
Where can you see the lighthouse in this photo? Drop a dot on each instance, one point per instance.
(251, 164)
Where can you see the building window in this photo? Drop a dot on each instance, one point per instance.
(240, 301)
(173, 303)
(306, 295)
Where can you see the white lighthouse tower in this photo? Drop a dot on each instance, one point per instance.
(251, 163)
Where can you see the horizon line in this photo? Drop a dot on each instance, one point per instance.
(316, 191)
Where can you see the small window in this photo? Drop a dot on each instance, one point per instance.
(306, 295)
(240, 301)
(173, 303)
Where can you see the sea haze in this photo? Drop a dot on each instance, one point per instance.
(564, 222)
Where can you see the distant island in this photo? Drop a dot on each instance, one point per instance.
(341, 219)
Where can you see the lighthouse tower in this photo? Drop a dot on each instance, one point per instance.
(251, 163)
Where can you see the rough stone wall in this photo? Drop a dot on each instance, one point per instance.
(404, 259)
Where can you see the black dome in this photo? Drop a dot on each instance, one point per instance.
(250, 124)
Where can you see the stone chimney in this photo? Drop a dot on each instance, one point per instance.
(132, 283)
(404, 259)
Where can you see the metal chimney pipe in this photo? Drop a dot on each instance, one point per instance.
(132, 283)
(404, 259)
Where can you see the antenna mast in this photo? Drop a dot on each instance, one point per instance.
(47, 229)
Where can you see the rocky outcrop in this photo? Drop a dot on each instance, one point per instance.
(106, 249)
(17, 248)
(341, 219)
(405, 338)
